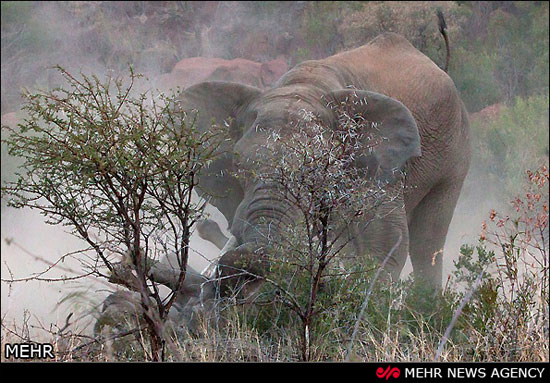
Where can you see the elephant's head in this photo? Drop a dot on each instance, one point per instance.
(252, 116)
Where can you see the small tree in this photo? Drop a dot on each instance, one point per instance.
(506, 275)
(119, 170)
(332, 196)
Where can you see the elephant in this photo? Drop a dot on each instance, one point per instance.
(425, 130)
(209, 230)
(193, 70)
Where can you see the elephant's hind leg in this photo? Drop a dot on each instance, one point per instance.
(428, 228)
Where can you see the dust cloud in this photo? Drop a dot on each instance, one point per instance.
(29, 246)
(77, 43)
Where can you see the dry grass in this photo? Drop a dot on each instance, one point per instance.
(238, 342)
(505, 318)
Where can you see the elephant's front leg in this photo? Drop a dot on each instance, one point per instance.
(386, 237)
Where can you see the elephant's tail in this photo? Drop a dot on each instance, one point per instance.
(443, 31)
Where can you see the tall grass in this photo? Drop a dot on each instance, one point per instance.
(505, 317)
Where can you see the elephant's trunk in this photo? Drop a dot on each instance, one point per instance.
(266, 212)
(256, 229)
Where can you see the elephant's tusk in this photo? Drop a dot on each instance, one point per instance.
(210, 270)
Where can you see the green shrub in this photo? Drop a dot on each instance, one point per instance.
(516, 140)
(509, 310)
(319, 28)
(472, 72)
(507, 58)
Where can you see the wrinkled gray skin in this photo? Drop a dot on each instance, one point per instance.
(423, 119)
(427, 136)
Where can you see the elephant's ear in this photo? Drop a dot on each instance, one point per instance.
(220, 102)
(388, 120)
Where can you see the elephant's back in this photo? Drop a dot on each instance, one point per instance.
(391, 65)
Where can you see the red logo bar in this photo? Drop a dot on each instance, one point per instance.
(388, 372)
